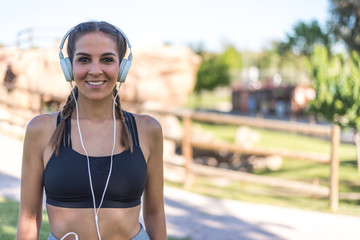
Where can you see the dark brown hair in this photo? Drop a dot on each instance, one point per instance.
(78, 31)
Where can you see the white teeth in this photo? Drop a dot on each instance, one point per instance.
(96, 83)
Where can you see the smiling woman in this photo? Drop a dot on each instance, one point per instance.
(95, 66)
(93, 155)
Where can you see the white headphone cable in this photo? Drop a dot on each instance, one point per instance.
(96, 211)
(70, 233)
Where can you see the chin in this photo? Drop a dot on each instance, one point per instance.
(98, 97)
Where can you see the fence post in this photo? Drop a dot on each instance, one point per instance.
(187, 148)
(334, 168)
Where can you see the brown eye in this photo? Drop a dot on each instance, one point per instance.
(83, 59)
(108, 59)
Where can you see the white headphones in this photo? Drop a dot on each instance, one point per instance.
(66, 65)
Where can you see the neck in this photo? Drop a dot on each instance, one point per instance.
(95, 109)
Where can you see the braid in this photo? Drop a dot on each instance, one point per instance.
(58, 134)
(125, 137)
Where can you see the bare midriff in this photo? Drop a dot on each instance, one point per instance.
(114, 223)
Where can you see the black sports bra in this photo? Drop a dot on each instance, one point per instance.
(66, 178)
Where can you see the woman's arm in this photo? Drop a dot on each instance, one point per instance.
(154, 215)
(30, 214)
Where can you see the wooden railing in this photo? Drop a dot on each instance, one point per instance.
(330, 132)
(188, 143)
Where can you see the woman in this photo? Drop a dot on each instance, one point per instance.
(94, 159)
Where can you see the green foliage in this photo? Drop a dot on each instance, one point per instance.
(234, 60)
(325, 82)
(232, 57)
(217, 69)
(303, 38)
(213, 72)
(345, 22)
(336, 82)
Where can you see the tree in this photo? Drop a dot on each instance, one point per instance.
(303, 38)
(232, 57)
(234, 61)
(345, 22)
(213, 72)
(336, 82)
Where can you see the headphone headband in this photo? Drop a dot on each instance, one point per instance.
(66, 65)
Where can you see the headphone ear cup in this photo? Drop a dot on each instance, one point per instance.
(124, 70)
(67, 69)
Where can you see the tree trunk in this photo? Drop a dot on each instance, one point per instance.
(357, 143)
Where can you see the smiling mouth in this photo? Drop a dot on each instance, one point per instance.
(97, 83)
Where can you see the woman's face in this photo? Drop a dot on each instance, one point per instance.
(95, 65)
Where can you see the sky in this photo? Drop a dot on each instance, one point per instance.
(247, 24)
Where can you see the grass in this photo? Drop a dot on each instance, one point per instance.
(256, 193)
(9, 211)
(295, 142)
(8, 218)
(207, 100)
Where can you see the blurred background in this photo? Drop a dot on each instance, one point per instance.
(227, 56)
(265, 88)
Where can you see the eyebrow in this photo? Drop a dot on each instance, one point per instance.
(104, 54)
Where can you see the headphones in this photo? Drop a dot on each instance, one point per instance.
(66, 65)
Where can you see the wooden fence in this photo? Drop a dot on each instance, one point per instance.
(331, 132)
(188, 143)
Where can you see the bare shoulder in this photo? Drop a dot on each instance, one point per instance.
(150, 137)
(41, 125)
(148, 124)
(37, 137)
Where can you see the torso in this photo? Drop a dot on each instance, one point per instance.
(114, 223)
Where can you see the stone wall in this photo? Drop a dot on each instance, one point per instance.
(162, 74)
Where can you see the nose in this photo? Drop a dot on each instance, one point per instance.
(95, 68)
